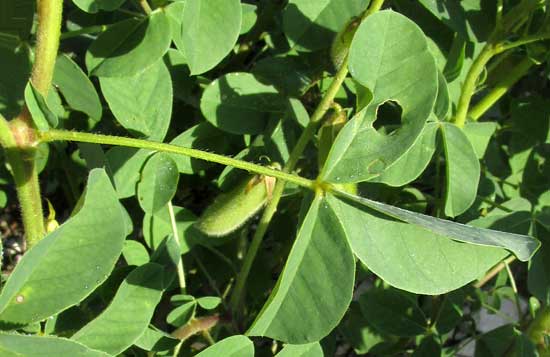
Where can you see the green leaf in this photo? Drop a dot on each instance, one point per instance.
(479, 135)
(238, 103)
(135, 253)
(41, 114)
(129, 313)
(209, 302)
(430, 260)
(77, 89)
(311, 25)
(399, 69)
(308, 350)
(182, 314)
(142, 103)
(411, 165)
(67, 264)
(129, 47)
(442, 106)
(393, 312)
(234, 346)
(159, 181)
(155, 340)
(125, 164)
(524, 247)
(210, 29)
(93, 6)
(462, 174)
(316, 283)
(31, 346)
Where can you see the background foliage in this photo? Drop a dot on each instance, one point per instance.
(397, 195)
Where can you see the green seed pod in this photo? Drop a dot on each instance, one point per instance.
(342, 42)
(233, 209)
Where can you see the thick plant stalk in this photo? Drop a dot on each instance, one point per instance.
(18, 137)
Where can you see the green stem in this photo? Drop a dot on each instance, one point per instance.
(23, 169)
(271, 207)
(539, 328)
(181, 273)
(501, 88)
(48, 33)
(55, 135)
(469, 85)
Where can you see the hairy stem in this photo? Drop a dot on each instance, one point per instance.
(469, 85)
(271, 208)
(56, 135)
(23, 169)
(49, 31)
(501, 88)
(20, 152)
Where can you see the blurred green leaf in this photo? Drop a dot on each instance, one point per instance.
(129, 313)
(31, 346)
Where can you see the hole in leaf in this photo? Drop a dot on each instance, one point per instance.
(388, 117)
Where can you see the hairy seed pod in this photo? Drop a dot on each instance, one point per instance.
(231, 210)
(340, 46)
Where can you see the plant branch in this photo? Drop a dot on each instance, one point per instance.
(494, 271)
(23, 170)
(271, 208)
(83, 31)
(49, 31)
(501, 88)
(469, 85)
(55, 135)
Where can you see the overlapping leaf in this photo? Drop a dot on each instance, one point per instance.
(234, 346)
(238, 103)
(142, 103)
(77, 89)
(316, 283)
(129, 313)
(35, 346)
(462, 170)
(129, 47)
(311, 25)
(66, 265)
(393, 68)
(424, 262)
